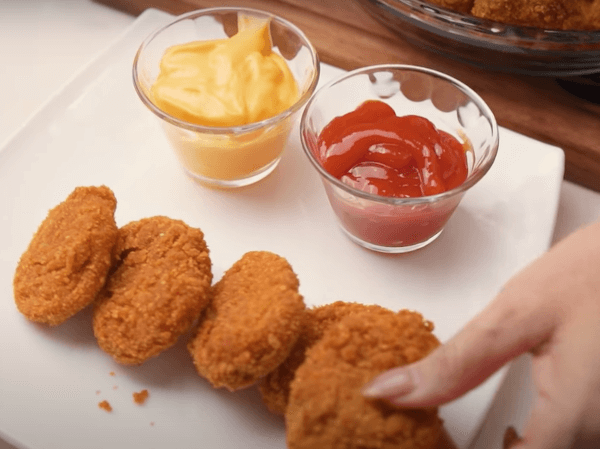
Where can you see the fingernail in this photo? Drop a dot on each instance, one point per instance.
(396, 382)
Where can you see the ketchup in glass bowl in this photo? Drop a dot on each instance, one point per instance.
(397, 147)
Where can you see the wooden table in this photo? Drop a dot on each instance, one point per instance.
(346, 37)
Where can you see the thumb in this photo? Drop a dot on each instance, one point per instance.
(508, 327)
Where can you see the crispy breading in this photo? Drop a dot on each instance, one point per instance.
(546, 14)
(275, 386)
(159, 287)
(591, 15)
(457, 5)
(68, 259)
(252, 323)
(326, 407)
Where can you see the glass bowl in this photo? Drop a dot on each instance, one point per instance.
(398, 225)
(488, 44)
(227, 156)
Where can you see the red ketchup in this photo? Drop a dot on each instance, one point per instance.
(374, 150)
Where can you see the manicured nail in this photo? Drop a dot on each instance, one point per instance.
(396, 382)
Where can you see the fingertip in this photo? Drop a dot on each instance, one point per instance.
(393, 383)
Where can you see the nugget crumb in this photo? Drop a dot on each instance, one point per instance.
(98, 392)
(112, 373)
(115, 387)
(140, 398)
(152, 423)
(104, 405)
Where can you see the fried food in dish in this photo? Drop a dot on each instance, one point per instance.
(68, 259)
(590, 16)
(326, 407)
(252, 323)
(457, 5)
(159, 286)
(275, 386)
(545, 14)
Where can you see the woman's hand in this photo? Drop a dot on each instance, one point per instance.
(552, 309)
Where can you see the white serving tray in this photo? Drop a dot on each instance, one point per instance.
(96, 131)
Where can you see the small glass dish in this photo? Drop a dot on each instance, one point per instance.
(488, 44)
(235, 156)
(398, 225)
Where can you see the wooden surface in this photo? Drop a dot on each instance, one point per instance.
(346, 37)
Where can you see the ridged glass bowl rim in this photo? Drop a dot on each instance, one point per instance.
(488, 31)
(479, 170)
(221, 130)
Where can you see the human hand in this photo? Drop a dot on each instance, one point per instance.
(552, 309)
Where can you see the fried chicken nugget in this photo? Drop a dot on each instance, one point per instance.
(590, 15)
(252, 323)
(68, 259)
(546, 14)
(275, 386)
(456, 5)
(159, 287)
(326, 407)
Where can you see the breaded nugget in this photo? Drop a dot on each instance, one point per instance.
(275, 386)
(159, 287)
(546, 14)
(457, 5)
(326, 407)
(590, 15)
(252, 323)
(68, 258)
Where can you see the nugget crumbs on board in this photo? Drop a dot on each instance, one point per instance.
(140, 398)
(104, 405)
(112, 373)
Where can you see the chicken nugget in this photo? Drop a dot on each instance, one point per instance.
(159, 287)
(252, 323)
(590, 16)
(68, 259)
(546, 14)
(326, 407)
(456, 5)
(275, 386)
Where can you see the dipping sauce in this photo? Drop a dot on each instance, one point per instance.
(373, 150)
(223, 85)
(225, 82)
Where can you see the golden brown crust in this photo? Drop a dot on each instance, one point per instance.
(275, 386)
(590, 16)
(326, 407)
(554, 14)
(456, 5)
(251, 324)
(68, 258)
(543, 14)
(159, 287)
